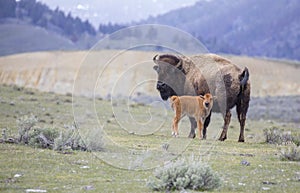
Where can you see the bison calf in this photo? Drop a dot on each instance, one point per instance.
(198, 107)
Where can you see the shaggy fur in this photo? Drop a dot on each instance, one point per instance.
(198, 107)
(206, 73)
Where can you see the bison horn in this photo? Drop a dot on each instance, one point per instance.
(179, 64)
(155, 57)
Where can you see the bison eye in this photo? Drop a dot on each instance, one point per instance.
(156, 68)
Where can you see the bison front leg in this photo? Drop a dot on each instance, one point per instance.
(227, 118)
(193, 127)
(206, 123)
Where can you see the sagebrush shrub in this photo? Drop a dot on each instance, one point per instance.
(278, 136)
(25, 124)
(43, 137)
(291, 153)
(184, 174)
(72, 138)
(68, 138)
(296, 139)
(93, 139)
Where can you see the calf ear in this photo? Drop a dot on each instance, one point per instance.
(201, 96)
(215, 97)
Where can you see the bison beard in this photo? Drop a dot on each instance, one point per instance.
(229, 83)
(164, 90)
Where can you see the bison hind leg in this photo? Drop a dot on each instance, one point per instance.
(242, 109)
(227, 118)
(193, 127)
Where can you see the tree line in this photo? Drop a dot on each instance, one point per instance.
(56, 20)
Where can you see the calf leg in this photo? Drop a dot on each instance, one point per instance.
(193, 127)
(227, 118)
(176, 119)
(200, 126)
(175, 126)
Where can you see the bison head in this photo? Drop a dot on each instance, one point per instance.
(171, 75)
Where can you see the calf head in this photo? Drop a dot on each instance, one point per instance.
(208, 101)
(171, 76)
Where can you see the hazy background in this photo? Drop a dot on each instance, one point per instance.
(116, 11)
(259, 28)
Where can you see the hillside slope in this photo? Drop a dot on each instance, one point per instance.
(255, 28)
(18, 37)
(126, 73)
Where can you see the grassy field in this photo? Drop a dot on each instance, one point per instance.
(25, 167)
(57, 71)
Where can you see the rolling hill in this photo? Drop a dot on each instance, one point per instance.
(108, 71)
(17, 36)
(254, 28)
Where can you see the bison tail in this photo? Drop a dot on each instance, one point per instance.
(244, 93)
(244, 77)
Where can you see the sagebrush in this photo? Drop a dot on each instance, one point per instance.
(296, 139)
(72, 138)
(291, 153)
(184, 174)
(93, 139)
(68, 138)
(278, 136)
(43, 137)
(25, 124)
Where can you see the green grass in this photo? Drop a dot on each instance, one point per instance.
(57, 172)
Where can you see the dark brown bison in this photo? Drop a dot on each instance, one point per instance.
(206, 73)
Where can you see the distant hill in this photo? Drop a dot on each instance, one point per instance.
(17, 37)
(263, 28)
(38, 14)
(245, 27)
(28, 25)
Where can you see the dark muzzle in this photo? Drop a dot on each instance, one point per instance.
(206, 104)
(161, 86)
(165, 90)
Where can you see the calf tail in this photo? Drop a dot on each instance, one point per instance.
(173, 100)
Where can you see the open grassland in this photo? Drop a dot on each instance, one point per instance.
(24, 167)
(136, 136)
(57, 71)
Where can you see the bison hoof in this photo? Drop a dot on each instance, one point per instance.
(192, 135)
(241, 140)
(222, 138)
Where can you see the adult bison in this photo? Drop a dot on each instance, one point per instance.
(201, 74)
